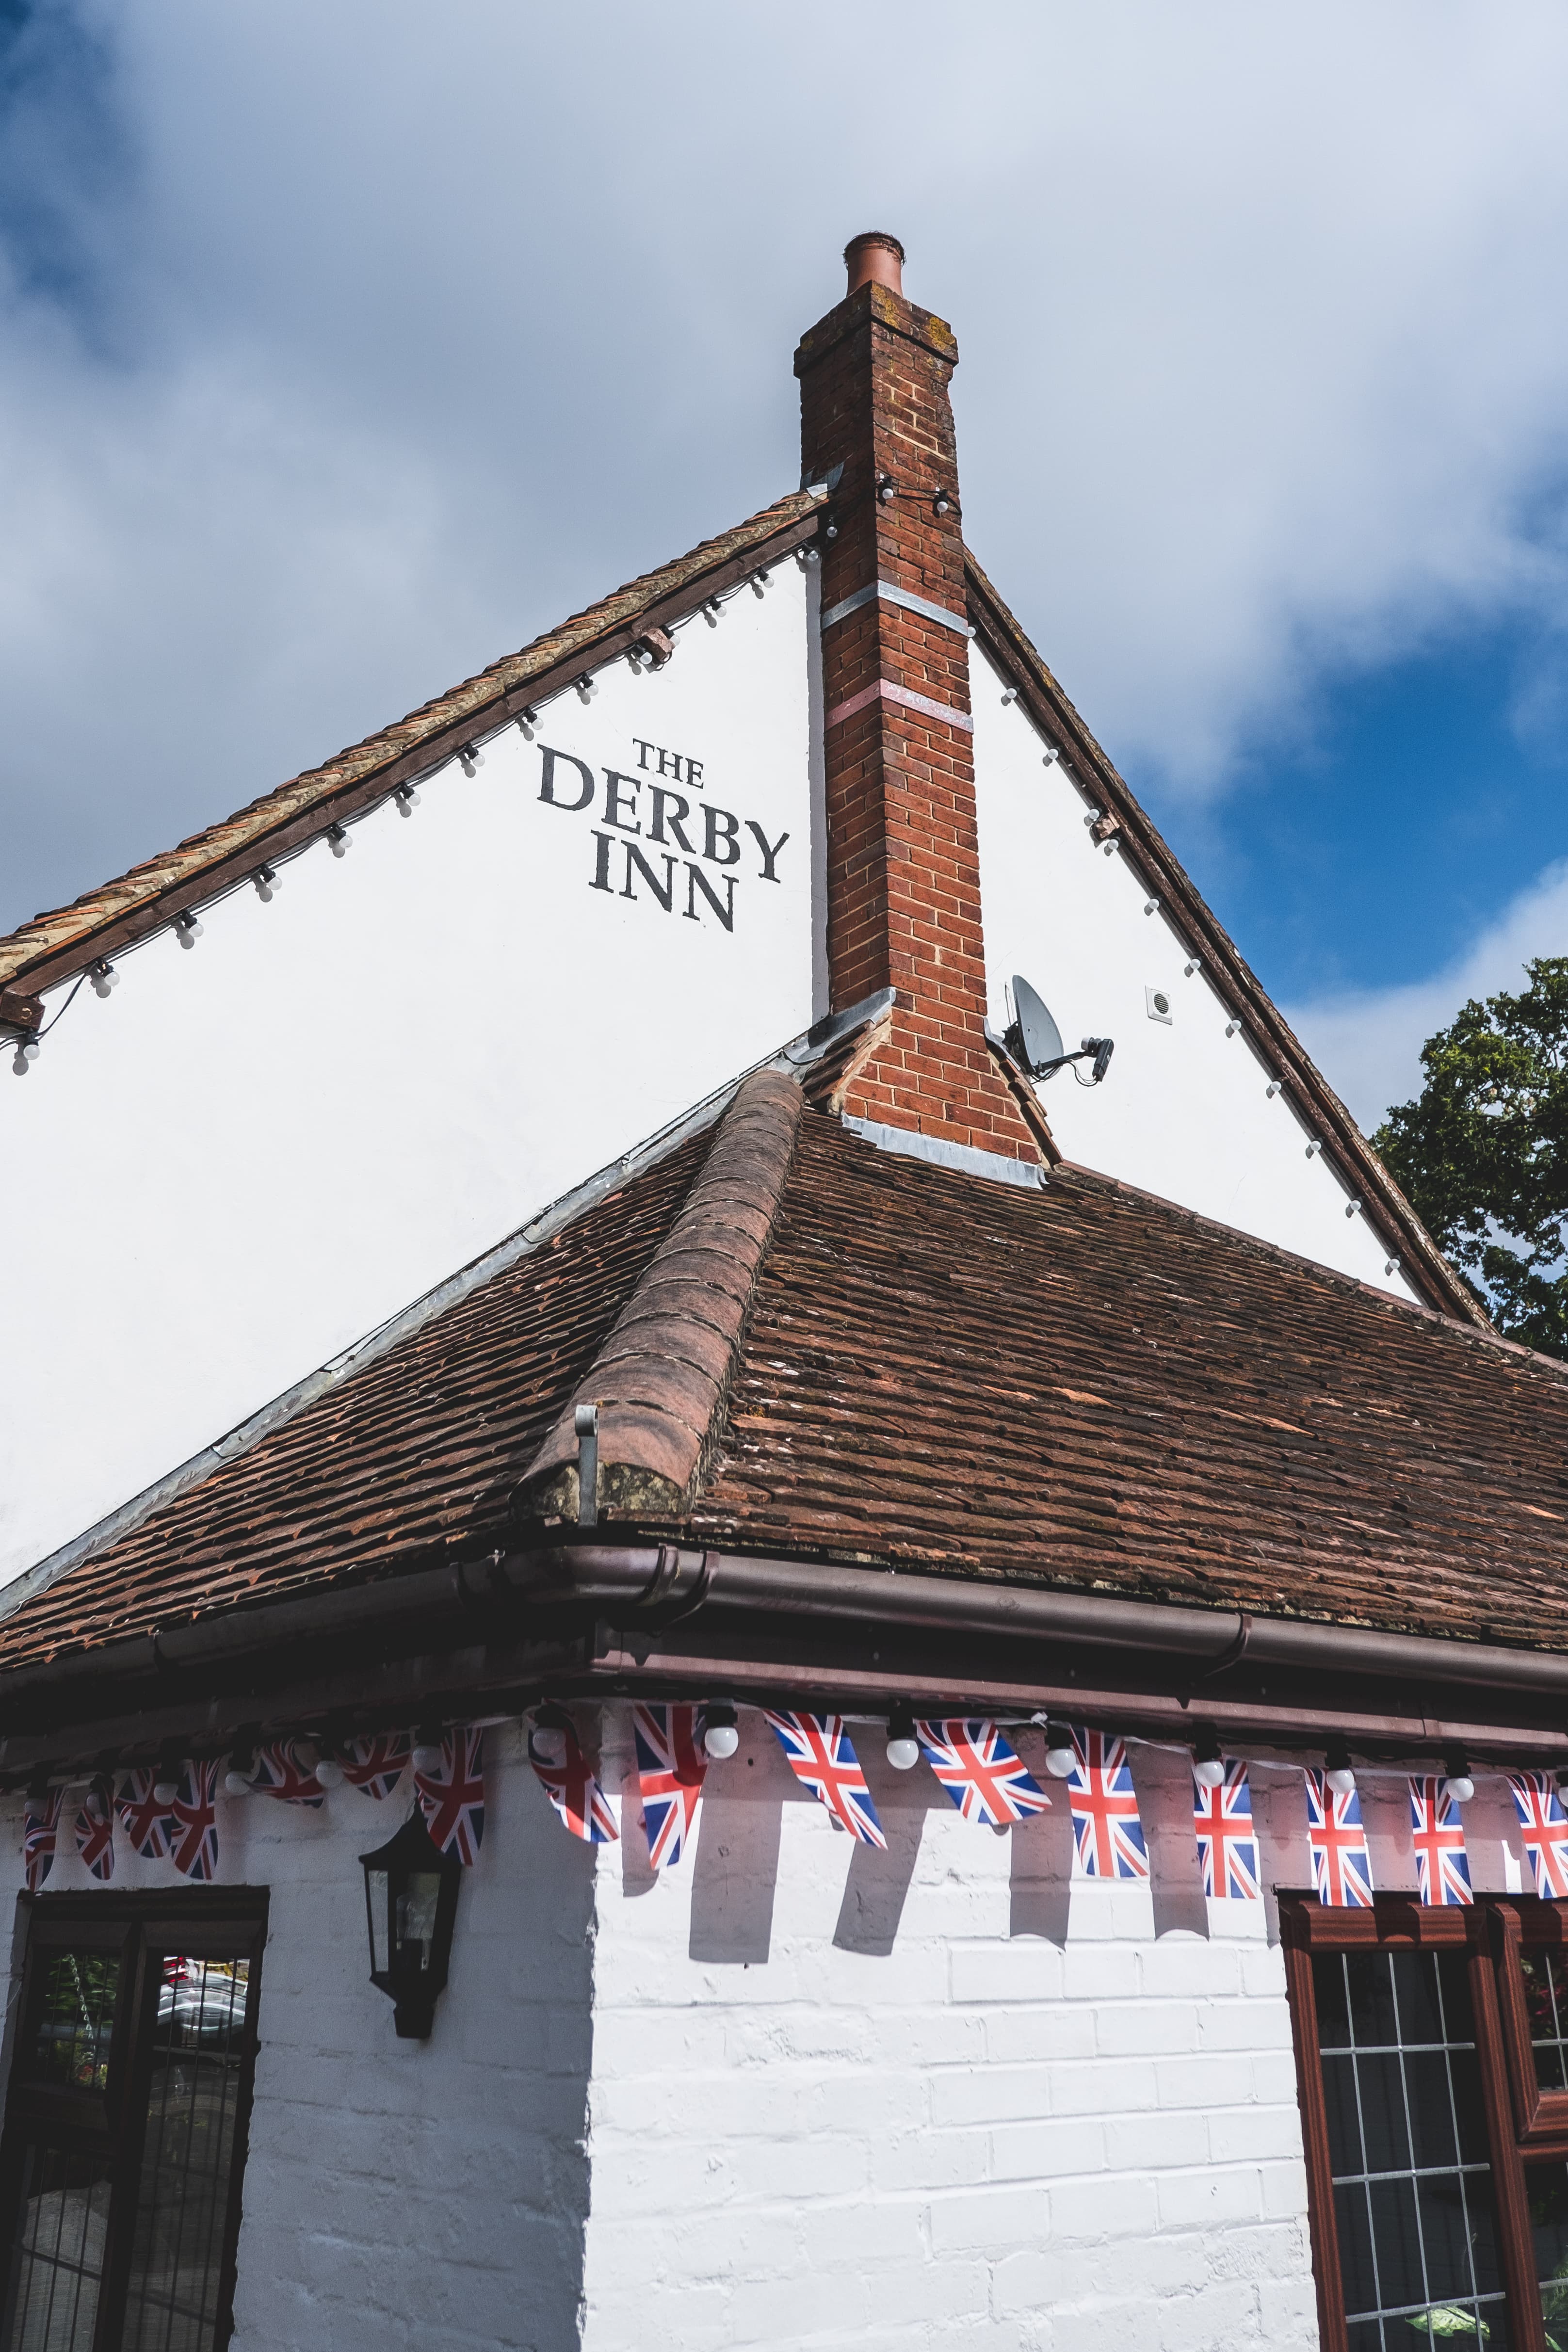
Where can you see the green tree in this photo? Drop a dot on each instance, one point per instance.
(1482, 1153)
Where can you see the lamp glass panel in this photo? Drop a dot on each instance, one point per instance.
(416, 1915)
(380, 1920)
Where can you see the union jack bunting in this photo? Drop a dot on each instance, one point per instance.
(573, 1789)
(453, 1800)
(979, 1770)
(1228, 1844)
(95, 1831)
(1341, 1867)
(146, 1821)
(823, 1759)
(672, 1762)
(192, 1822)
(1105, 1824)
(1543, 1826)
(1437, 1835)
(41, 1831)
(279, 1773)
(375, 1761)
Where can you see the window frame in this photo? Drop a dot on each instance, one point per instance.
(1524, 2122)
(205, 1923)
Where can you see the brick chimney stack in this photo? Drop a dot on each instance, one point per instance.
(903, 870)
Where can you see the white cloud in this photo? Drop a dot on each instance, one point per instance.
(376, 337)
(1368, 1042)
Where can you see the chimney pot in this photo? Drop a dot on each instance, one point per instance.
(875, 258)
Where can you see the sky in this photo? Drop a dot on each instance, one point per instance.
(344, 349)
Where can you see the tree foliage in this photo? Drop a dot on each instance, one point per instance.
(1482, 1153)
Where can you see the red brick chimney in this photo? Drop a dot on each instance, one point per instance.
(903, 870)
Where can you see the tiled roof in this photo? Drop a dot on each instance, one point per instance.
(157, 888)
(1079, 1385)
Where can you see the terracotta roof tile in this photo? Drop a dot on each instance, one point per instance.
(1081, 1386)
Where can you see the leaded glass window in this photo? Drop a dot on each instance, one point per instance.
(125, 2121)
(1413, 2189)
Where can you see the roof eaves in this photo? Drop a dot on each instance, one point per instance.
(999, 634)
(57, 946)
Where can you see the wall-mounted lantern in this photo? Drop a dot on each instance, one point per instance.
(411, 1901)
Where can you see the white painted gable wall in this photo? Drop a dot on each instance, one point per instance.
(1184, 1110)
(258, 1148)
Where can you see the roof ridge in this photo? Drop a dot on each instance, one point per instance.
(1004, 637)
(661, 1379)
(162, 884)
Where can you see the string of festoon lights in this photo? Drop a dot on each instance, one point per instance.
(266, 879)
(167, 1809)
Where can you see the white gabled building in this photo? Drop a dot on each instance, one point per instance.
(558, 1296)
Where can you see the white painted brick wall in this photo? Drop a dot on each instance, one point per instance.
(901, 2113)
(790, 2094)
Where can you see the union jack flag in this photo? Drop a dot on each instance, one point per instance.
(1341, 1867)
(279, 1773)
(979, 1770)
(95, 1831)
(1543, 1826)
(573, 1789)
(1437, 1835)
(823, 1759)
(192, 1822)
(40, 1831)
(672, 1762)
(1104, 1803)
(453, 1800)
(146, 1821)
(375, 1760)
(1227, 1842)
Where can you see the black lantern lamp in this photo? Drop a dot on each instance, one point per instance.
(411, 1901)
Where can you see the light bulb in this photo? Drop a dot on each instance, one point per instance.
(1049, 756)
(425, 1757)
(527, 722)
(720, 1733)
(903, 1747)
(712, 612)
(758, 583)
(1341, 1780)
(236, 1782)
(830, 529)
(407, 799)
(941, 504)
(105, 979)
(21, 1061)
(1061, 1753)
(548, 1742)
(586, 689)
(267, 883)
(329, 1773)
(187, 930)
(341, 844)
(887, 492)
(1209, 1771)
(1460, 1781)
(470, 760)
(165, 1792)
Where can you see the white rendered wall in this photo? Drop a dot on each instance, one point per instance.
(1184, 1110)
(258, 1148)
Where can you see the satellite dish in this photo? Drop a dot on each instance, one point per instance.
(1033, 1036)
(1034, 1040)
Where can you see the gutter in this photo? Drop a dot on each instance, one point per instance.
(653, 1588)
